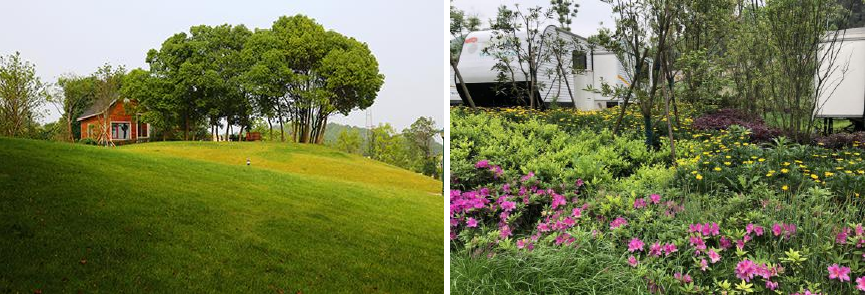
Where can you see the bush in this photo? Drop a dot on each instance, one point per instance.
(87, 141)
(725, 118)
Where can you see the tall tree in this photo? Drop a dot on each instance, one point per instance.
(76, 94)
(21, 95)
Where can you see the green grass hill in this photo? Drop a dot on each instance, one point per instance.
(192, 217)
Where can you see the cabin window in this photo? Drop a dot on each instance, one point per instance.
(579, 59)
(120, 130)
(142, 130)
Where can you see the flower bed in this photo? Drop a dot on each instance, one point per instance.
(732, 217)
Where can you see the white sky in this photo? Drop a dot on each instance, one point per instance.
(79, 36)
(587, 22)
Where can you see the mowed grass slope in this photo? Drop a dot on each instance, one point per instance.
(77, 218)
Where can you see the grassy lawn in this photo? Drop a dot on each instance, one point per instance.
(193, 218)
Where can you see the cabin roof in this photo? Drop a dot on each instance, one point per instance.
(97, 108)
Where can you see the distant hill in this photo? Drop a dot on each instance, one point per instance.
(333, 130)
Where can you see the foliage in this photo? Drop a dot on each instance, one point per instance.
(22, 93)
(734, 216)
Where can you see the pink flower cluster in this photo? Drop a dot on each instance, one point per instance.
(747, 269)
(788, 230)
(618, 222)
(705, 229)
(485, 164)
(841, 273)
(657, 249)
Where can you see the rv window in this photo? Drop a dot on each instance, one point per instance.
(579, 58)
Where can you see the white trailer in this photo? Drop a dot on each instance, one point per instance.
(843, 95)
(582, 67)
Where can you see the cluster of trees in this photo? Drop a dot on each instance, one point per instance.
(414, 148)
(769, 57)
(294, 72)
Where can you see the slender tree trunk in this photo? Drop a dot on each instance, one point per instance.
(270, 128)
(281, 125)
(667, 97)
(637, 76)
(462, 84)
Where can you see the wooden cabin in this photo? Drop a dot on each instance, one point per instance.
(123, 128)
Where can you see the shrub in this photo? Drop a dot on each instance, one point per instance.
(725, 118)
(87, 141)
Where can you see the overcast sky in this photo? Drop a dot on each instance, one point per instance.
(589, 16)
(79, 36)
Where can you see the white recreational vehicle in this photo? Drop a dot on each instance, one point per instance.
(584, 66)
(844, 93)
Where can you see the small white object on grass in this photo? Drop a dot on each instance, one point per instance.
(247, 161)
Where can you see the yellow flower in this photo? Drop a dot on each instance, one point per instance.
(813, 176)
(761, 160)
(726, 163)
(699, 177)
(717, 169)
(784, 171)
(828, 174)
(784, 188)
(727, 157)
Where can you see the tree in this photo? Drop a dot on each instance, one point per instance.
(76, 94)
(325, 72)
(21, 94)
(420, 137)
(349, 141)
(106, 91)
(521, 46)
(461, 25)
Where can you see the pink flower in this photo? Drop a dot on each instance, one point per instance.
(639, 203)
(839, 272)
(656, 249)
(655, 198)
(725, 243)
(505, 231)
(695, 228)
(714, 256)
(703, 264)
(771, 285)
(577, 213)
(776, 229)
(508, 206)
(633, 261)
(618, 222)
(521, 243)
(472, 223)
(841, 237)
(745, 270)
(579, 182)
(635, 244)
(698, 242)
(860, 283)
(711, 229)
(482, 164)
(683, 278)
(789, 230)
(669, 249)
(740, 244)
(558, 200)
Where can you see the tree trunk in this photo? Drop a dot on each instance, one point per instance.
(462, 84)
(667, 97)
(634, 83)
(270, 128)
